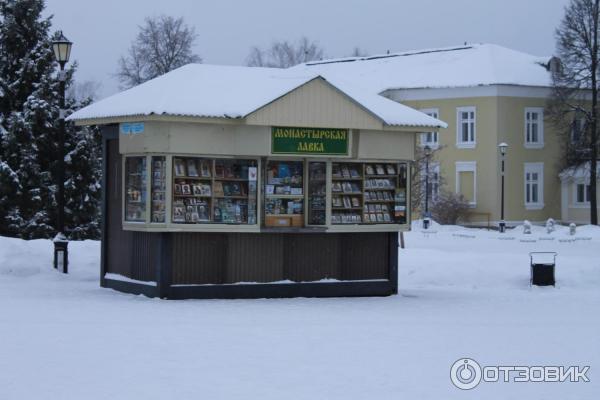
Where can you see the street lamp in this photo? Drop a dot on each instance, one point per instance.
(502, 226)
(62, 52)
(426, 220)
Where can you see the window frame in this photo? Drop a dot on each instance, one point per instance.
(124, 183)
(531, 168)
(466, 166)
(470, 144)
(539, 144)
(586, 193)
(580, 125)
(259, 226)
(434, 144)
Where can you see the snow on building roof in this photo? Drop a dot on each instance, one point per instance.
(581, 171)
(201, 90)
(460, 66)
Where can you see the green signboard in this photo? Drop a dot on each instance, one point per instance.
(327, 141)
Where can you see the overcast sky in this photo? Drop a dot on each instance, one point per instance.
(102, 30)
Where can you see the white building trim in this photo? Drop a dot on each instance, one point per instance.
(537, 92)
(471, 127)
(533, 178)
(529, 123)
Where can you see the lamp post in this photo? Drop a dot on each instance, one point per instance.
(62, 52)
(502, 226)
(427, 151)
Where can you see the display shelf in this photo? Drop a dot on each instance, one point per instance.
(231, 179)
(192, 195)
(193, 178)
(284, 196)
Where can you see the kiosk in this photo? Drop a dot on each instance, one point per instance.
(237, 182)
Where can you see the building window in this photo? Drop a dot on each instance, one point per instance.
(465, 127)
(582, 194)
(466, 181)
(534, 128)
(430, 139)
(578, 130)
(534, 186)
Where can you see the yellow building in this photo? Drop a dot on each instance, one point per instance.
(487, 94)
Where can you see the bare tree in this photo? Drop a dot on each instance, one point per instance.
(575, 86)
(284, 54)
(422, 184)
(82, 91)
(358, 52)
(162, 44)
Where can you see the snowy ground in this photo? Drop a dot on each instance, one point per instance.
(464, 293)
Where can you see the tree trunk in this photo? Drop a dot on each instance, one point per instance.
(594, 122)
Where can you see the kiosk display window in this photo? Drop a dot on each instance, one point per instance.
(135, 189)
(158, 190)
(346, 193)
(201, 190)
(218, 191)
(284, 193)
(368, 193)
(385, 193)
(317, 185)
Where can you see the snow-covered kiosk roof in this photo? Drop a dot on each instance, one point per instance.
(235, 93)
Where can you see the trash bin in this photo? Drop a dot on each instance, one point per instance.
(543, 264)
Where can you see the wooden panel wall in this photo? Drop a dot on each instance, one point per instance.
(200, 258)
(130, 254)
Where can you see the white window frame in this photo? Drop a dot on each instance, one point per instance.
(586, 197)
(466, 166)
(433, 144)
(534, 167)
(470, 144)
(539, 144)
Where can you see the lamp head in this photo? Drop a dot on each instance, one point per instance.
(503, 146)
(62, 49)
(427, 151)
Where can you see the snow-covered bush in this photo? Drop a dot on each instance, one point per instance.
(450, 208)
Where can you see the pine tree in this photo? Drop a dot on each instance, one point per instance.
(29, 112)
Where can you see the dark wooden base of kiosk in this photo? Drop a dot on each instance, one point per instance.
(207, 265)
(255, 291)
